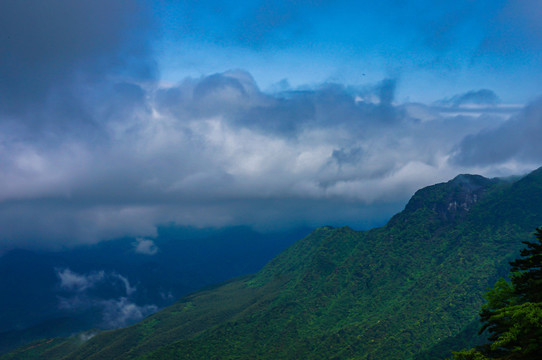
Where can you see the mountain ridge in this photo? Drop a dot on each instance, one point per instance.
(404, 290)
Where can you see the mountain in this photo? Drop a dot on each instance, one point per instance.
(408, 290)
(118, 282)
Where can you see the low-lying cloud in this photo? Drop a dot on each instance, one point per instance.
(108, 294)
(145, 246)
(121, 312)
(72, 281)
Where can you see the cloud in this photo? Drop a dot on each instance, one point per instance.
(92, 147)
(114, 313)
(76, 282)
(145, 246)
(517, 140)
(106, 293)
(55, 53)
(129, 289)
(80, 283)
(217, 151)
(121, 312)
(484, 97)
(87, 335)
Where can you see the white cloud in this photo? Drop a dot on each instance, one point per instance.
(87, 335)
(122, 312)
(145, 246)
(72, 281)
(108, 294)
(79, 283)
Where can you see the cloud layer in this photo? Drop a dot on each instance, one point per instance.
(93, 146)
(517, 140)
(215, 151)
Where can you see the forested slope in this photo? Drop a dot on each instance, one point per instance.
(403, 291)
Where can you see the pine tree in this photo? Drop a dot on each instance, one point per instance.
(527, 278)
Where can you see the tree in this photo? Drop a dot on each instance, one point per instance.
(527, 278)
(512, 315)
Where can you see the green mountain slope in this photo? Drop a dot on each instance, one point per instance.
(404, 291)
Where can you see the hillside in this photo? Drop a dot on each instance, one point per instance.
(408, 290)
(121, 284)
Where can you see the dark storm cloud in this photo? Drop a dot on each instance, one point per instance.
(48, 46)
(516, 140)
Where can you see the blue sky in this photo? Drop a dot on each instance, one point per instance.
(434, 48)
(118, 116)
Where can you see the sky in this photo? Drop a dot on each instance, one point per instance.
(120, 116)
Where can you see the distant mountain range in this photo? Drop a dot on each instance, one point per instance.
(118, 282)
(409, 290)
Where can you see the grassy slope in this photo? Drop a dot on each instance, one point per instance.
(403, 291)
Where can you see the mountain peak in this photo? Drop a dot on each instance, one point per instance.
(471, 182)
(448, 201)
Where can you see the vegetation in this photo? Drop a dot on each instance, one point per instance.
(513, 313)
(404, 291)
(187, 260)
